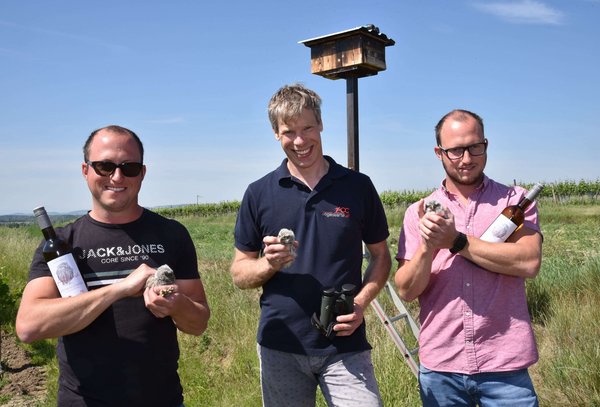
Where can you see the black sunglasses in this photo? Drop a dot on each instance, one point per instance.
(108, 168)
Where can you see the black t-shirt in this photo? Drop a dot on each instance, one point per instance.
(127, 356)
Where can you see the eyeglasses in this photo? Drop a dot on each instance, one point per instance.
(456, 153)
(108, 168)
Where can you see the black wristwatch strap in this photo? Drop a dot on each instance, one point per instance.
(459, 243)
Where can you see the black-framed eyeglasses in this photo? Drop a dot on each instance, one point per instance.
(456, 153)
(108, 168)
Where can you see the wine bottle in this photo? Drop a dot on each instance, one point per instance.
(59, 257)
(511, 218)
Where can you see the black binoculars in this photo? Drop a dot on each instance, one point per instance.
(333, 303)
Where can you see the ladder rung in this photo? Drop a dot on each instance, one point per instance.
(398, 317)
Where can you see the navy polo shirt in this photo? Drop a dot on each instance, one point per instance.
(330, 224)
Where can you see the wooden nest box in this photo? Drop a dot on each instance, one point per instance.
(353, 53)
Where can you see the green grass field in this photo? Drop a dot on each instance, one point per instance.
(220, 368)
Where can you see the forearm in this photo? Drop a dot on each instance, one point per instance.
(520, 257)
(250, 271)
(50, 317)
(191, 316)
(374, 281)
(412, 276)
(376, 274)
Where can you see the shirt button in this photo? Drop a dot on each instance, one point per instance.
(468, 284)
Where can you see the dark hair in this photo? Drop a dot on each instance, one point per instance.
(289, 102)
(114, 129)
(457, 114)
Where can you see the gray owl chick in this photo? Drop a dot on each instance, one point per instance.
(435, 206)
(164, 276)
(287, 237)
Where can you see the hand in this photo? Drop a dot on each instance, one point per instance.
(437, 231)
(134, 284)
(161, 300)
(276, 253)
(348, 323)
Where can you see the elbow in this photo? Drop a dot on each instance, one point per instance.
(25, 332)
(248, 271)
(197, 328)
(239, 282)
(406, 295)
(203, 321)
(405, 292)
(24, 335)
(203, 325)
(533, 268)
(236, 278)
(243, 281)
(530, 265)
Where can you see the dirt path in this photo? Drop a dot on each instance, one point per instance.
(21, 383)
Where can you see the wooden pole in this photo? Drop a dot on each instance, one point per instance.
(352, 114)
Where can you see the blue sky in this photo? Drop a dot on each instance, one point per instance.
(193, 80)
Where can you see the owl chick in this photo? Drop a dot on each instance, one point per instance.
(164, 276)
(287, 237)
(435, 206)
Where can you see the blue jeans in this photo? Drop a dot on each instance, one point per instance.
(513, 389)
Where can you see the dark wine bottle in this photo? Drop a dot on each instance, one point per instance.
(59, 257)
(511, 218)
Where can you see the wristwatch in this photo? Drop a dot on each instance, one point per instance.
(459, 243)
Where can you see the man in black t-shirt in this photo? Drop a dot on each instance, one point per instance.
(117, 343)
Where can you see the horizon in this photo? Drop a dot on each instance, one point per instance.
(560, 184)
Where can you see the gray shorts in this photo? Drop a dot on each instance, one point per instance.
(289, 379)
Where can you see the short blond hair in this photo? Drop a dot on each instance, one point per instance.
(290, 101)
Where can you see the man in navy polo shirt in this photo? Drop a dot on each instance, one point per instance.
(332, 211)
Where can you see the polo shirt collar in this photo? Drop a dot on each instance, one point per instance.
(335, 170)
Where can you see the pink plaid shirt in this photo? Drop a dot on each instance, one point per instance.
(472, 320)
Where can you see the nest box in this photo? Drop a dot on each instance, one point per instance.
(352, 53)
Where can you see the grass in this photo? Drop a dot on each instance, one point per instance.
(220, 368)
(564, 302)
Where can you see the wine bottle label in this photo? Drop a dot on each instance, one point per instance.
(500, 230)
(67, 276)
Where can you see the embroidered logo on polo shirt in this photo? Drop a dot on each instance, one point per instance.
(340, 212)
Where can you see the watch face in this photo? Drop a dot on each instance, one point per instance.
(459, 243)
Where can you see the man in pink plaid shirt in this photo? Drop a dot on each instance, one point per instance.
(476, 340)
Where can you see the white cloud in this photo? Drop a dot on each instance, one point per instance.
(523, 12)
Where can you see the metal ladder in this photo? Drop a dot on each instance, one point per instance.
(388, 321)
